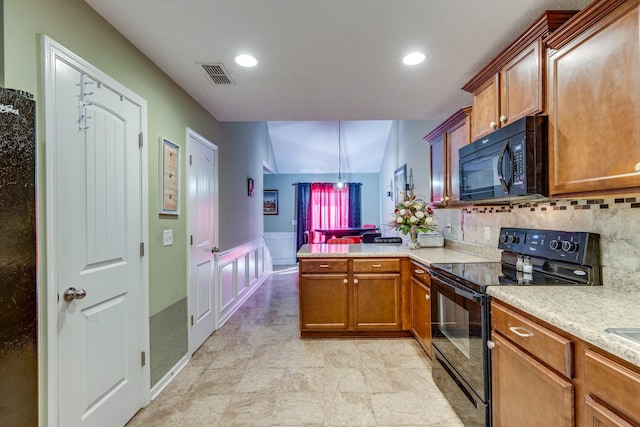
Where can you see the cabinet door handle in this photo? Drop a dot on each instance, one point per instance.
(324, 265)
(418, 271)
(516, 330)
(493, 125)
(503, 118)
(376, 265)
(355, 281)
(345, 281)
(427, 297)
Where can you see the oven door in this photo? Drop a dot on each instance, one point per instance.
(460, 329)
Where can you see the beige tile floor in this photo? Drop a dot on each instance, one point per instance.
(257, 371)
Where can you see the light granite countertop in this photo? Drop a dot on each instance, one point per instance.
(426, 256)
(582, 311)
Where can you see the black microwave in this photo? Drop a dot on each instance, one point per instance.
(508, 165)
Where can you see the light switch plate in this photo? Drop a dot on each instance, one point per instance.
(167, 237)
(487, 233)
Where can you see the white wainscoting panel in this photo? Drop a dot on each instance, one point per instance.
(282, 246)
(241, 271)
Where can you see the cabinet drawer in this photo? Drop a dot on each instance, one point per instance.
(547, 346)
(376, 265)
(323, 266)
(419, 272)
(612, 383)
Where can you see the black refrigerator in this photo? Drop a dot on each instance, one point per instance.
(18, 302)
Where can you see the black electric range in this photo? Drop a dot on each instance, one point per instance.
(460, 306)
(554, 258)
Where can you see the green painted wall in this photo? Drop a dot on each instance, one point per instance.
(242, 146)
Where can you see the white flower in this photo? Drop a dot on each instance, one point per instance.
(399, 220)
(420, 214)
(402, 211)
(413, 219)
(429, 220)
(418, 206)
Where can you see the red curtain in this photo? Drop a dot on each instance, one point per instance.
(329, 208)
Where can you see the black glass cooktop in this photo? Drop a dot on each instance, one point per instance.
(479, 275)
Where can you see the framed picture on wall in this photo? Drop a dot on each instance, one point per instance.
(399, 184)
(270, 202)
(169, 177)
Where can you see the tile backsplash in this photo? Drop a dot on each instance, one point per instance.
(617, 220)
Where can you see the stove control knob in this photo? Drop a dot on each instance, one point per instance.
(503, 238)
(569, 246)
(513, 239)
(555, 245)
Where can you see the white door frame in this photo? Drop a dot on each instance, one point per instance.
(50, 51)
(216, 224)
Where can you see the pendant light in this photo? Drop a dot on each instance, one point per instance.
(340, 183)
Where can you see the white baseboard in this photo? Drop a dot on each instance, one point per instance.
(169, 376)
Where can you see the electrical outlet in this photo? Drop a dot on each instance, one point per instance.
(167, 237)
(487, 232)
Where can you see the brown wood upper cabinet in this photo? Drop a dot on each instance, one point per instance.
(445, 141)
(513, 85)
(594, 113)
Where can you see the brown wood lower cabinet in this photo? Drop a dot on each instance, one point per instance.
(544, 376)
(611, 392)
(525, 392)
(421, 306)
(324, 302)
(598, 415)
(376, 301)
(352, 297)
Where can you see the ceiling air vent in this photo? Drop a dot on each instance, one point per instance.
(218, 73)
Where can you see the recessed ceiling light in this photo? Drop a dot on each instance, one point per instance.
(246, 61)
(414, 58)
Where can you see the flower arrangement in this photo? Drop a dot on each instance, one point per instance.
(411, 216)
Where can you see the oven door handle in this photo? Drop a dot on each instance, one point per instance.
(466, 294)
(473, 296)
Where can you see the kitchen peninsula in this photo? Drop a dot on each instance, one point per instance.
(366, 289)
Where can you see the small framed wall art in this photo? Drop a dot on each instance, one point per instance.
(270, 202)
(250, 186)
(169, 177)
(400, 184)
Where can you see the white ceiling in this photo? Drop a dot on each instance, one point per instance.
(325, 60)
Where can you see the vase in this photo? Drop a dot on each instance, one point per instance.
(413, 243)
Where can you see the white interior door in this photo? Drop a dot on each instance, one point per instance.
(96, 203)
(203, 176)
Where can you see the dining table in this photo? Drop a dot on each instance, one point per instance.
(344, 231)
